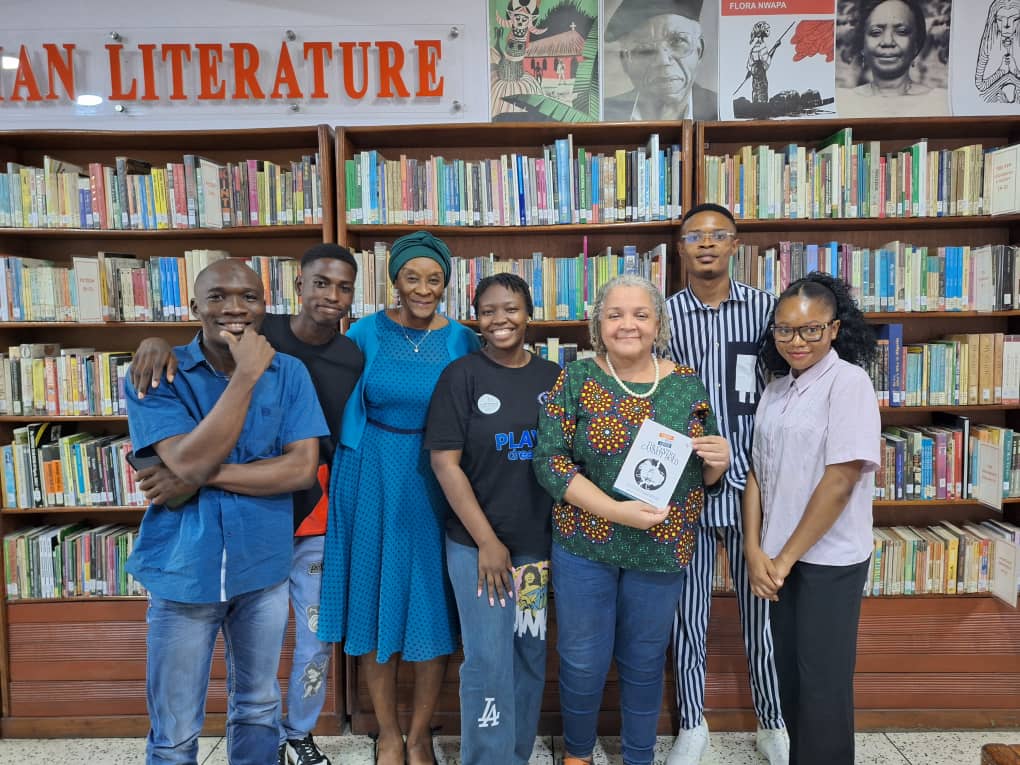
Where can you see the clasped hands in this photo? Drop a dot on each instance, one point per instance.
(766, 574)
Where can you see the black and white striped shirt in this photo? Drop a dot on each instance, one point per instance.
(722, 345)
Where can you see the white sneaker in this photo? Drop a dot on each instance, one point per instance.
(774, 745)
(689, 746)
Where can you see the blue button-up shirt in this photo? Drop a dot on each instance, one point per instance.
(220, 544)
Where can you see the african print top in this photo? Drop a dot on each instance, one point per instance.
(586, 426)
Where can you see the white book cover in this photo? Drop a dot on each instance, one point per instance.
(1001, 167)
(988, 486)
(89, 289)
(780, 59)
(654, 464)
(1004, 565)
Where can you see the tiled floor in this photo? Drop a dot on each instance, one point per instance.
(938, 748)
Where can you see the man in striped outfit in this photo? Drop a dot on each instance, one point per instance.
(717, 327)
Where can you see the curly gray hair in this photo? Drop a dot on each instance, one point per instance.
(661, 345)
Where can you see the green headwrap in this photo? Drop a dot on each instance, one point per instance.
(420, 244)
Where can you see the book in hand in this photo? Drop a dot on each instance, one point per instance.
(654, 464)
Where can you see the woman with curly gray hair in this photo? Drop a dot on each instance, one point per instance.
(615, 560)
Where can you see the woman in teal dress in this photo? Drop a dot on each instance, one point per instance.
(385, 590)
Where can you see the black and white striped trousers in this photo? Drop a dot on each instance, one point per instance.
(690, 628)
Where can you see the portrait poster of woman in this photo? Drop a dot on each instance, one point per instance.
(892, 57)
(986, 57)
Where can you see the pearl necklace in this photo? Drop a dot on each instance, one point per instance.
(415, 345)
(649, 392)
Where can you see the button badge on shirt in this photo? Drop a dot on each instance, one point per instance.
(488, 404)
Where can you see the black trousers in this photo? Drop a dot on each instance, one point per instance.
(814, 631)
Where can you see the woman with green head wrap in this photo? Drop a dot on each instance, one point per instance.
(385, 592)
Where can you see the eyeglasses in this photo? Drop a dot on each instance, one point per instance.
(809, 333)
(720, 236)
(677, 45)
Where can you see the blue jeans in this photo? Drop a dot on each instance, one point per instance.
(306, 689)
(180, 644)
(503, 674)
(605, 612)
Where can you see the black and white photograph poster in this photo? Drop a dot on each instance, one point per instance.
(779, 59)
(892, 57)
(985, 78)
(659, 60)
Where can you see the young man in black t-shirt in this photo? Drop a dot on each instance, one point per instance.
(326, 286)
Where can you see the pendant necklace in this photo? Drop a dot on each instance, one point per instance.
(627, 390)
(415, 345)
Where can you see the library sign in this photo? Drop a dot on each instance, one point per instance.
(326, 72)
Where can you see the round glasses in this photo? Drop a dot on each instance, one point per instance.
(677, 45)
(809, 333)
(693, 237)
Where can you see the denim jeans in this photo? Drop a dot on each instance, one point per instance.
(503, 674)
(180, 644)
(306, 689)
(604, 612)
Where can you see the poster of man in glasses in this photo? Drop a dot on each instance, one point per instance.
(657, 63)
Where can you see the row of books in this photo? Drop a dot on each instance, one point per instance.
(973, 369)
(69, 560)
(561, 288)
(945, 559)
(47, 467)
(46, 379)
(562, 185)
(559, 352)
(136, 194)
(898, 276)
(118, 286)
(842, 179)
(942, 461)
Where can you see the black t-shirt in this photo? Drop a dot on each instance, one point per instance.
(490, 413)
(334, 368)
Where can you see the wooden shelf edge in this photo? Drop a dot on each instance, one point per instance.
(76, 509)
(230, 232)
(950, 408)
(818, 224)
(935, 503)
(83, 599)
(909, 315)
(563, 228)
(98, 324)
(63, 418)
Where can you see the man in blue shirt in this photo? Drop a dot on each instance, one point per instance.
(242, 423)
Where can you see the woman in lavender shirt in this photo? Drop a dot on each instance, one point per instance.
(807, 508)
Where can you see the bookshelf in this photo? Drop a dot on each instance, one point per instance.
(76, 666)
(472, 143)
(923, 661)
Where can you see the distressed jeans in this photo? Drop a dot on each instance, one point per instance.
(180, 644)
(503, 674)
(306, 688)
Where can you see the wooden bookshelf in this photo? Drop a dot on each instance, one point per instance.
(481, 141)
(474, 142)
(76, 666)
(928, 661)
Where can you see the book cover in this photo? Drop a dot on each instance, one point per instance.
(654, 464)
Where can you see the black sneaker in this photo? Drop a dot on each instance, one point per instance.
(282, 755)
(303, 751)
